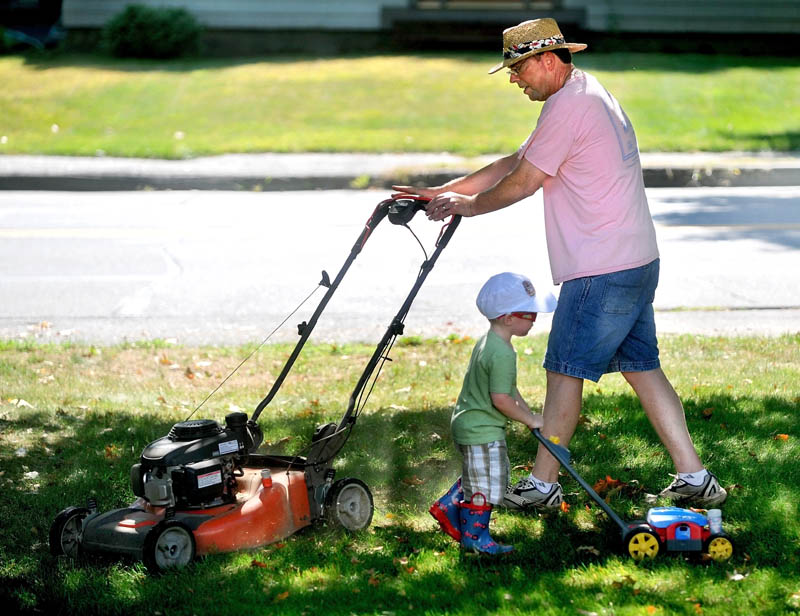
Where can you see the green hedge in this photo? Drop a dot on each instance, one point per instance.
(152, 32)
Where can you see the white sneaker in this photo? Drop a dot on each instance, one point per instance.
(525, 495)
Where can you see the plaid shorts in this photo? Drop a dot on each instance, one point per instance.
(485, 469)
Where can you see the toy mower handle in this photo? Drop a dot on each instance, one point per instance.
(562, 454)
(559, 452)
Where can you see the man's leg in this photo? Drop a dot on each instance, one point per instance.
(693, 484)
(664, 410)
(562, 408)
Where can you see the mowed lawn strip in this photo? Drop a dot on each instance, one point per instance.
(73, 419)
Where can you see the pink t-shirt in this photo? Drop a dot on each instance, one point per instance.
(596, 215)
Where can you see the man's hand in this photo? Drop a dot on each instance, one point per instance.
(427, 192)
(450, 204)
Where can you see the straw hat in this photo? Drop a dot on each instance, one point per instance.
(532, 37)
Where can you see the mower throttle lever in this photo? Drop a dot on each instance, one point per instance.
(326, 280)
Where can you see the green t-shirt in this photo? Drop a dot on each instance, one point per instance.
(492, 369)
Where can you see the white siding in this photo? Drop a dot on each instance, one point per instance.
(245, 14)
(723, 16)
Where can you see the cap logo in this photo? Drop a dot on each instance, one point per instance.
(528, 286)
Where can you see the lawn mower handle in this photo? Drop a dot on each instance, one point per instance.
(399, 211)
(563, 455)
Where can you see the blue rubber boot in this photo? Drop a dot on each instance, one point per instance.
(446, 510)
(475, 528)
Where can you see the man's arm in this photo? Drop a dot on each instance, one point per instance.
(521, 182)
(471, 184)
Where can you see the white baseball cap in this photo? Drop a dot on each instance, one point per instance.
(507, 292)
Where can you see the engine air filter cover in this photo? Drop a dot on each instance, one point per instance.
(194, 429)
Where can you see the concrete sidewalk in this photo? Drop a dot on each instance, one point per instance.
(271, 172)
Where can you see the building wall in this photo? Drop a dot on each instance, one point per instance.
(245, 14)
(658, 16)
(713, 16)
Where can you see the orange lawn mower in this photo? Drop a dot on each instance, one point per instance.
(203, 488)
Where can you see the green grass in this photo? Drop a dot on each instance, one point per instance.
(82, 105)
(88, 412)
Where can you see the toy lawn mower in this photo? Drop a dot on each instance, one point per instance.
(203, 488)
(671, 529)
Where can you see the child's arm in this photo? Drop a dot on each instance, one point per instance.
(514, 407)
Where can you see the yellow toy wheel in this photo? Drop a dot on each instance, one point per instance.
(719, 548)
(642, 543)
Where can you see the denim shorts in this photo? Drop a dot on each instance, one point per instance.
(605, 324)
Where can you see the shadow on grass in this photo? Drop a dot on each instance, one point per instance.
(407, 458)
(614, 61)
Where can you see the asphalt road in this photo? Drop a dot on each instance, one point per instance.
(204, 267)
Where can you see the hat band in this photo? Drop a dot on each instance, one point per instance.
(520, 49)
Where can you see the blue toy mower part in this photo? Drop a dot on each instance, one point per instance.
(668, 529)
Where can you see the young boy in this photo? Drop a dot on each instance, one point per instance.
(488, 399)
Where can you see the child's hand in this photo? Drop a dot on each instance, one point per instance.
(536, 421)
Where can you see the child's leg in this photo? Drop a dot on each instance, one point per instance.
(484, 480)
(445, 510)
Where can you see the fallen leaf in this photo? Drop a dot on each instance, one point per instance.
(608, 484)
(188, 373)
(164, 360)
(282, 596)
(651, 609)
(112, 452)
(257, 563)
(781, 437)
(413, 481)
(589, 549)
(373, 581)
(708, 412)
(564, 506)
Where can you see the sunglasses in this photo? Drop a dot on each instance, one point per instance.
(514, 70)
(528, 316)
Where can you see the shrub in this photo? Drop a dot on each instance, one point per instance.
(152, 32)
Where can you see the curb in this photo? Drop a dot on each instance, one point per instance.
(288, 172)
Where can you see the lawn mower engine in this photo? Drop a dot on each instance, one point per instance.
(195, 465)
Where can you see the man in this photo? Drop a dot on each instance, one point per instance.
(602, 246)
